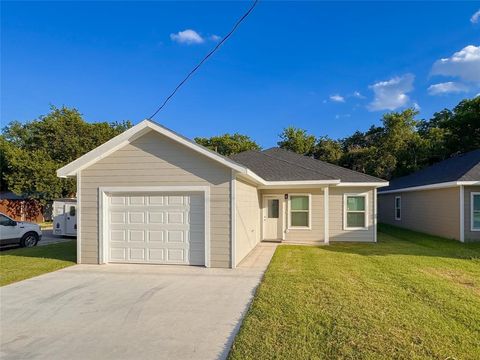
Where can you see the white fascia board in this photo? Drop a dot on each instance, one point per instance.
(468, 183)
(429, 187)
(128, 136)
(364, 184)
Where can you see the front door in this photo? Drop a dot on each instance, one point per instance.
(272, 218)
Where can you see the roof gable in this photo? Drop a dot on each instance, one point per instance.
(465, 167)
(134, 133)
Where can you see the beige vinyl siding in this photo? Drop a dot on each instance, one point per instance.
(336, 219)
(469, 234)
(435, 211)
(317, 231)
(155, 160)
(247, 218)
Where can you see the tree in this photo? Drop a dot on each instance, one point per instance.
(228, 144)
(328, 150)
(32, 152)
(297, 140)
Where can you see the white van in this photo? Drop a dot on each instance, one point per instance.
(65, 217)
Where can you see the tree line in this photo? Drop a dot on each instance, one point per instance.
(401, 145)
(31, 152)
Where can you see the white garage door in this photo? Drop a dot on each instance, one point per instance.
(157, 228)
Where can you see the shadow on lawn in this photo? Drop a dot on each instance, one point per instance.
(397, 241)
(66, 251)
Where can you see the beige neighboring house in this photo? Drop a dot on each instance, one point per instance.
(150, 195)
(443, 199)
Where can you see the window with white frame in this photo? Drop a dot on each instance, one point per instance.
(398, 208)
(355, 212)
(475, 211)
(299, 216)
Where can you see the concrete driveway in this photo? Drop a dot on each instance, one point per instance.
(129, 311)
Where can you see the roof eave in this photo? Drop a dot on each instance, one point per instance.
(432, 186)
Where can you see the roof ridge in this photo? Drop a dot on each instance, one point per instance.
(324, 162)
(303, 167)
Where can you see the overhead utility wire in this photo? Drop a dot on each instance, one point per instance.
(237, 24)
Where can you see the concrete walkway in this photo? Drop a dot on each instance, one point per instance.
(129, 311)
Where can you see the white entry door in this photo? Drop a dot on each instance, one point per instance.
(156, 228)
(272, 218)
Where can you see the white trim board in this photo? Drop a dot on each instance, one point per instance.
(103, 193)
(289, 218)
(462, 213)
(431, 186)
(472, 194)
(345, 196)
(79, 219)
(233, 222)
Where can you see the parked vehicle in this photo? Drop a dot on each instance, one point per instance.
(65, 217)
(18, 232)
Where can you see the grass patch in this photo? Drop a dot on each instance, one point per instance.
(21, 264)
(410, 296)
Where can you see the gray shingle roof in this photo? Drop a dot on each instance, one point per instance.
(277, 164)
(464, 167)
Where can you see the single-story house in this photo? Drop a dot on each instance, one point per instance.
(150, 195)
(442, 199)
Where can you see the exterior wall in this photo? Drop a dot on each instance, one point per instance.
(435, 211)
(155, 160)
(336, 219)
(317, 232)
(469, 234)
(248, 217)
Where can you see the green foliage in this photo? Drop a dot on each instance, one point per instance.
(31, 153)
(228, 144)
(297, 140)
(400, 146)
(328, 150)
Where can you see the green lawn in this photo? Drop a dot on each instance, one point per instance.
(20, 264)
(410, 296)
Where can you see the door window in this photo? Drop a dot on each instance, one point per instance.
(273, 208)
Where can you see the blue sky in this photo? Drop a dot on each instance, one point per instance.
(328, 67)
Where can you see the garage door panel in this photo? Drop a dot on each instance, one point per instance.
(176, 255)
(156, 217)
(117, 254)
(136, 217)
(156, 255)
(157, 228)
(136, 235)
(156, 235)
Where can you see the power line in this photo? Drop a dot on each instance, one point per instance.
(237, 24)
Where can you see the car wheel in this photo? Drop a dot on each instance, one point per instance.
(29, 240)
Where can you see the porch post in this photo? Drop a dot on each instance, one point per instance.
(326, 213)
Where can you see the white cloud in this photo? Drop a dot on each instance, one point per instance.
(337, 98)
(416, 106)
(391, 94)
(446, 88)
(215, 38)
(188, 37)
(475, 17)
(358, 95)
(464, 64)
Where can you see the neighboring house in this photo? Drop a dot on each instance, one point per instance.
(20, 208)
(150, 195)
(442, 199)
